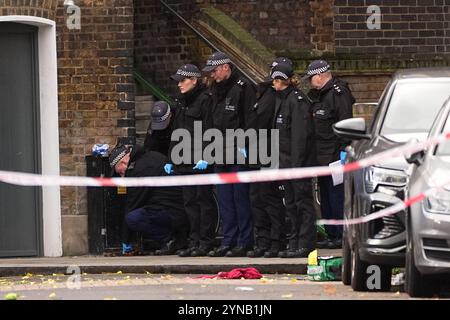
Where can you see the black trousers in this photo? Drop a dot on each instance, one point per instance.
(302, 214)
(201, 210)
(268, 215)
(331, 204)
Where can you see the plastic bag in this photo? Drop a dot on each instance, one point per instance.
(100, 149)
(327, 269)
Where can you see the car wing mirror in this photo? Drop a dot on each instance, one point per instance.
(416, 158)
(353, 129)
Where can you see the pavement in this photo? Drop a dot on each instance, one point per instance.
(153, 264)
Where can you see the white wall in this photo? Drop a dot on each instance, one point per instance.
(48, 85)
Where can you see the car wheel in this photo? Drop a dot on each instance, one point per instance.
(360, 274)
(415, 284)
(346, 261)
(358, 271)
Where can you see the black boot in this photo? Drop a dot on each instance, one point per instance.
(256, 252)
(293, 247)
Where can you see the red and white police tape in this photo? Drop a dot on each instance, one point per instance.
(30, 179)
(401, 205)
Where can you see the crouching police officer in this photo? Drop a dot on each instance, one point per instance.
(332, 102)
(156, 212)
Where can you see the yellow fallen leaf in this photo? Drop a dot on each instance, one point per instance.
(52, 296)
(110, 298)
(179, 289)
(293, 280)
(119, 272)
(397, 293)
(289, 295)
(11, 296)
(203, 286)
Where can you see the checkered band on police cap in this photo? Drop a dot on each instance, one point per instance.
(186, 71)
(160, 115)
(216, 59)
(317, 67)
(117, 154)
(282, 71)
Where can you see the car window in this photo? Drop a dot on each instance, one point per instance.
(377, 111)
(444, 148)
(414, 105)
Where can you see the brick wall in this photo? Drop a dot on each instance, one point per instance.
(408, 27)
(162, 43)
(36, 8)
(279, 25)
(322, 38)
(96, 89)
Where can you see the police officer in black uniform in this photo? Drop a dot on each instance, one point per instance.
(266, 198)
(193, 108)
(160, 128)
(156, 212)
(233, 99)
(332, 102)
(297, 149)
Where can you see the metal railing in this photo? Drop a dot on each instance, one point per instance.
(201, 36)
(154, 90)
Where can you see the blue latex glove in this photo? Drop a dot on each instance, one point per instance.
(201, 165)
(126, 248)
(343, 156)
(243, 152)
(168, 168)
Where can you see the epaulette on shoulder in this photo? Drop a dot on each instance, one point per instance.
(240, 82)
(298, 95)
(337, 89)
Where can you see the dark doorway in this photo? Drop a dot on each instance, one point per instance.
(20, 207)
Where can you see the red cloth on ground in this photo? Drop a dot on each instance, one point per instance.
(238, 273)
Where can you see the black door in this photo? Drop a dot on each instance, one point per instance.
(20, 207)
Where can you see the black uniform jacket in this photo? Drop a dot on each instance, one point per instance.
(149, 164)
(331, 104)
(193, 106)
(294, 122)
(233, 100)
(263, 112)
(158, 140)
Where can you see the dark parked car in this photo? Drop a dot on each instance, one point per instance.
(428, 221)
(406, 110)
